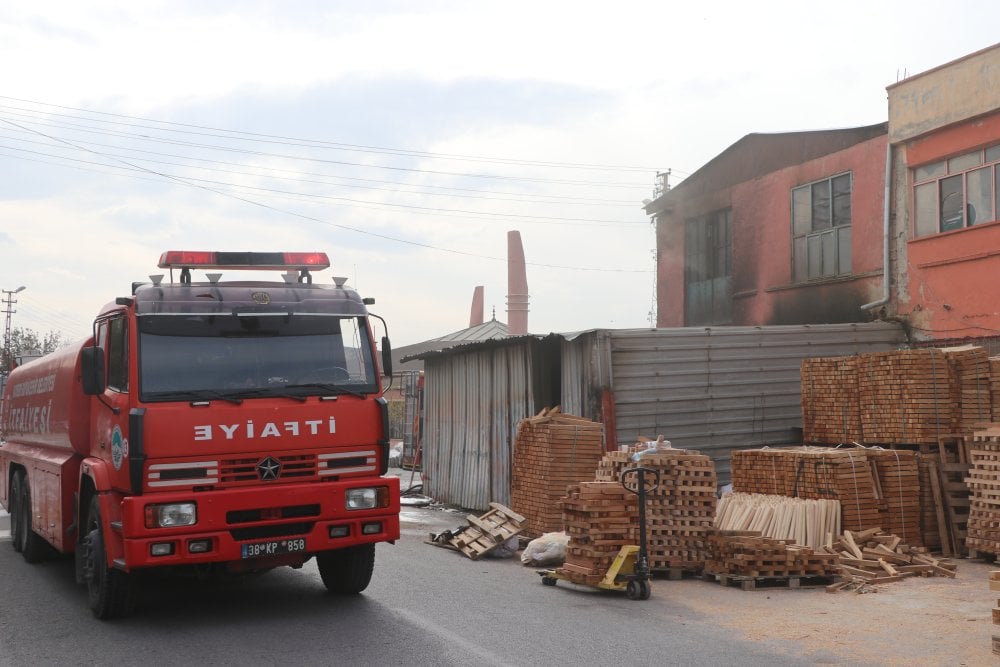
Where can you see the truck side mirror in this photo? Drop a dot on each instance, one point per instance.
(92, 370)
(386, 357)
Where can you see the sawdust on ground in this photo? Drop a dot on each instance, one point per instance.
(917, 621)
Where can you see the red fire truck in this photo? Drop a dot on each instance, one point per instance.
(220, 426)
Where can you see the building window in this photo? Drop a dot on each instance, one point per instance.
(958, 192)
(707, 258)
(821, 229)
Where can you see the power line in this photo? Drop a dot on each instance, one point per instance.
(313, 142)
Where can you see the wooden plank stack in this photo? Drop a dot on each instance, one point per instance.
(972, 372)
(831, 413)
(680, 511)
(995, 586)
(983, 527)
(863, 480)
(740, 554)
(600, 518)
(906, 396)
(995, 388)
(552, 450)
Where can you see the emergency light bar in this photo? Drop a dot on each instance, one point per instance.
(265, 261)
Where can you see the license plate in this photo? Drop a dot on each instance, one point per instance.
(273, 548)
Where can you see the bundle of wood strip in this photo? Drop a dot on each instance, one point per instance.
(600, 518)
(863, 480)
(759, 556)
(907, 396)
(680, 511)
(972, 372)
(831, 413)
(808, 522)
(983, 528)
(552, 450)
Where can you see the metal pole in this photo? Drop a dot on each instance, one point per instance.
(8, 302)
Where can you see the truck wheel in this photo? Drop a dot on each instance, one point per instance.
(347, 571)
(31, 545)
(16, 521)
(111, 593)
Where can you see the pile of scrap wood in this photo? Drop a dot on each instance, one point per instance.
(874, 557)
(552, 450)
(808, 522)
(875, 487)
(749, 554)
(600, 518)
(680, 511)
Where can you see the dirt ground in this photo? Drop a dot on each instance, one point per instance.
(917, 621)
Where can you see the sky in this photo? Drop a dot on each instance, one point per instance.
(406, 139)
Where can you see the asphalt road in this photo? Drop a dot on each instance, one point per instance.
(426, 606)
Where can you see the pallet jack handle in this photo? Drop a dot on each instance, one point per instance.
(635, 481)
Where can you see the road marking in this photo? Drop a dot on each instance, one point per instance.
(452, 638)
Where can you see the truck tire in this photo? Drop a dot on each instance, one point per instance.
(111, 593)
(31, 545)
(347, 571)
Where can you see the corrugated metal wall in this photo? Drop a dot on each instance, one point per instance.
(585, 371)
(473, 402)
(719, 388)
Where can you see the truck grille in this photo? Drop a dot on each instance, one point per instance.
(250, 470)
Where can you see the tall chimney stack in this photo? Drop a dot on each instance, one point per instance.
(517, 286)
(476, 316)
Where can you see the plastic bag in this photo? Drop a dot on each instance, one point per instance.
(505, 550)
(549, 549)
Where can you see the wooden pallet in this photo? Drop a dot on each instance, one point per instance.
(485, 533)
(753, 583)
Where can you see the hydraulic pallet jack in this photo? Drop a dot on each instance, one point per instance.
(630, 569)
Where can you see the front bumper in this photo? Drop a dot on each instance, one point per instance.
(230, 519)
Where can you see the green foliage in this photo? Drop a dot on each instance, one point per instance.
(27, 341)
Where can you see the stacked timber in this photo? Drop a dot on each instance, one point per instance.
(680, 511)
(811, 523)
(897, 482)
(552, 450)
(600, 518)
(831, 413)
(747, 555)
(995, 388)
(972, 372)
(983, 481)
(853, 476)
(907, 396)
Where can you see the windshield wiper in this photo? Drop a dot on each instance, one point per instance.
(263, 393)
(332, 388)
(195, 395)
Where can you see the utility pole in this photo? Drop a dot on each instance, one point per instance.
(8, 303)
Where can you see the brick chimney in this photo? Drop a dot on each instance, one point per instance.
(517, 286)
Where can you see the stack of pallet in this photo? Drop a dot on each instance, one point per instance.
(972, 373)
(680, 511)
(983, 527)
(995, 586)
(907, 396)
(552, 450)
(600, 518)
(831, 413)
(744, 554)
(863, 480)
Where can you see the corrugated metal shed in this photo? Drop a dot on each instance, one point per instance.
(719, 388)
(709, 389)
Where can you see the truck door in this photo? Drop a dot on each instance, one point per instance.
(111, 420)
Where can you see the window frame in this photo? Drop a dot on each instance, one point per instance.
(930, 177)
(823, 246)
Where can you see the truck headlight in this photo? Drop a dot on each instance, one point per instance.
(171, 515)
(367, 498)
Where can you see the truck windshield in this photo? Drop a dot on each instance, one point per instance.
(235, 356)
